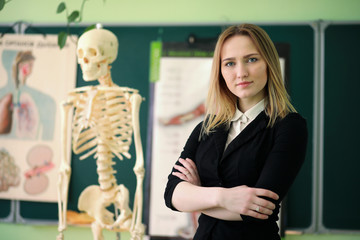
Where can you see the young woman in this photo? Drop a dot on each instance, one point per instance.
(239, 163)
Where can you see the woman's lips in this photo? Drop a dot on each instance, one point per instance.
(243, 84)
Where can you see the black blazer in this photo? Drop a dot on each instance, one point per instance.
(260, 156)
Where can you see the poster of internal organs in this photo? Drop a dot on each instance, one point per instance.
(35, 76)
(178, 99)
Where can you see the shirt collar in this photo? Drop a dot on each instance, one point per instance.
(251, 113)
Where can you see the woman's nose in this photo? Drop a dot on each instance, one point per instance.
(242, 71)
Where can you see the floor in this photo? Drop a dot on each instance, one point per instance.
(32, 232)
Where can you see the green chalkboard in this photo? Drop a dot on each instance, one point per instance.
(132, 69)
(5, 206)
(341, 128)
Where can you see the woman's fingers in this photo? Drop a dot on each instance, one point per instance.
(181, 169)
(189, 165)
(193, 173)
(266, 193)
(183, 174)
(258, 215)
(248, 201)
(262, 210)
(189, 162)
(187, 177)
(257, 211)
(187, 171)
(261, 205)
(264, 203)
(180, 175)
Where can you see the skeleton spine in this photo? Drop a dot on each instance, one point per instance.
(105, 170)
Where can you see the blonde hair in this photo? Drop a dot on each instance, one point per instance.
(221, 103)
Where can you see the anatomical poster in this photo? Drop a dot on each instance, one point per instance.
(179, 95)
(35, 76)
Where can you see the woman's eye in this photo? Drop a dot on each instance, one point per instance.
(250, 60)
(229, 64)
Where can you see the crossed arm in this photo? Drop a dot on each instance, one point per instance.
(237, 203)
(218, 202)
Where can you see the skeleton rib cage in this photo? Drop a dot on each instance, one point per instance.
(104, 118)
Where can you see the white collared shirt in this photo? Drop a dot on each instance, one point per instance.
(241, 120)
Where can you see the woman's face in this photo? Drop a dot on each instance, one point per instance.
(244, 70)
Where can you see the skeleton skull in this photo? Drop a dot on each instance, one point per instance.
(97, 48)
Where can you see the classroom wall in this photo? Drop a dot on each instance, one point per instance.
(143, 12)
(167, 12)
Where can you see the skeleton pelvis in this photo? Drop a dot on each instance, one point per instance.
(94, 201)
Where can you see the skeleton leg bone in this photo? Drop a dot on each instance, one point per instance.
(97, 231)
(63, 183)
(64, 172)
(138, 229)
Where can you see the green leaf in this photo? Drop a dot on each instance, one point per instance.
(61, 7)
(62, 36)
(73, 16)
(2, 4)
(90, 27)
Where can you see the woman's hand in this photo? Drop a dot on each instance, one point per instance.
(187, 172)
(247, 201)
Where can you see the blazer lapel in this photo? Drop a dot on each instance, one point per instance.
(220, 137)
(258, 124)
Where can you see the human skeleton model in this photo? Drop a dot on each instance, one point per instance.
(105, 118)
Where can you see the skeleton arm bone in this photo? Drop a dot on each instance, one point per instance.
(137, 228)
(65, 169)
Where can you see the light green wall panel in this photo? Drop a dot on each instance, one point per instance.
(142, 12)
